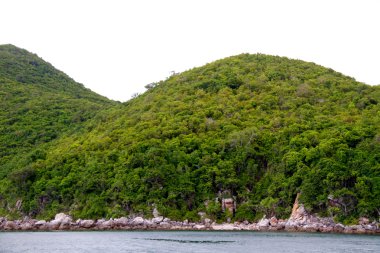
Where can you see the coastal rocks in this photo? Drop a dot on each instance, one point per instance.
(263, 223)
(40, 225)
(310, 228)
(121, 222)
(86, 223)
(199, 227)
(138, 221)
(165, 225)
(224, 226)
(61, 222)
(363, 221)
(338, 228)
(2, 223)
(157, 219)
(11, 225)
(273, 221)
(104, 224)
(298, 223)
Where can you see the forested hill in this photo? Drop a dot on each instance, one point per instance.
(38, 104)
(255, 128)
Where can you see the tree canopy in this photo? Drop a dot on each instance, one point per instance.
(255, 128)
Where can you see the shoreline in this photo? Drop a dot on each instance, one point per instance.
(63, 222)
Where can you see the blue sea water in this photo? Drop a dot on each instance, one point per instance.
(184, 241)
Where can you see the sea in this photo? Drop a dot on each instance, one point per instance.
(185, 241)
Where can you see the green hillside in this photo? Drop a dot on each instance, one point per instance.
(255, 128)
(38, 105)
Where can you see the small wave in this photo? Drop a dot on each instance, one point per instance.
(187, 241)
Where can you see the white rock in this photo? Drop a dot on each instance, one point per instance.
(108, 223)
(61, 219)
(156, 213)
(123, 221)
(202, 214)
(207, 221)
(157, 219)
(40, 223)
(263, 222)
(223, 227)
(86, 223)
(138, 221)
(199, 226)
(165, 224)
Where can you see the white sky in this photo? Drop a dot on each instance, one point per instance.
(115, 47)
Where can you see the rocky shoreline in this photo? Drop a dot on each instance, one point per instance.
(63, 222)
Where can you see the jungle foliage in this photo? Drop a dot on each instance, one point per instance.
(255, 128)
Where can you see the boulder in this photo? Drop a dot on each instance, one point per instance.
(338, 228)
(26, 226)
(291, 225)
(138, 221)
(264, 222)
(11, 225)
(202, 215)
(207, 221)
(199, 227)
(165, 225)
(253, 227)
(326, 229)
(228, 204)
(348, 230)
(121, 222)
(309, 228)
(53, 225)
(370, 227)
(86, 223)
(41, 225)
(156, 213)
(281, 224)
(157, 219)
(224, 226)
(273, 221)
(104, 224)
(61, 221)
(176, 223)
(327, 221)
(63, 218)
(147, 222)
(2, 222)
(359, 229)
(244, 226)
(363, 221)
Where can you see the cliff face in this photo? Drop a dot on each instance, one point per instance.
(257, 129)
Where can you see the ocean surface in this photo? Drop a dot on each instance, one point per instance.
(184, 241)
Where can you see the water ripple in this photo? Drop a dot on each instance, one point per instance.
(187, 241)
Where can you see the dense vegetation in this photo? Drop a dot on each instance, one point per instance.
(255, 128)
(38, 105)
